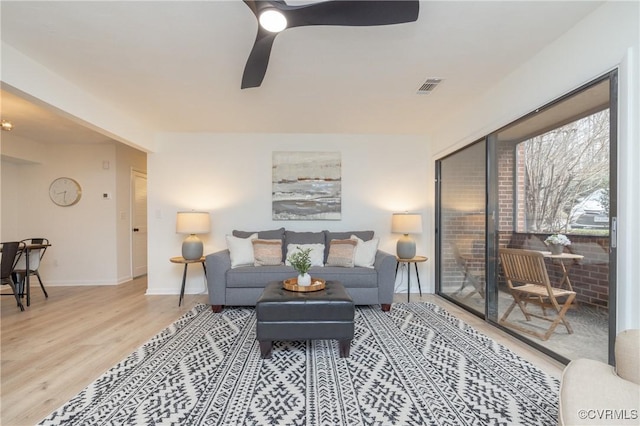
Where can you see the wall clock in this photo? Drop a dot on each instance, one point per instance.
(65, 191)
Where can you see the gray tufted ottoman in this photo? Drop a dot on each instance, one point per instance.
(290, 315)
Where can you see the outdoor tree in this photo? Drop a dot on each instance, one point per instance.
(563, 166)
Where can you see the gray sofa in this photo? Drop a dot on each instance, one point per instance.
(241, 286)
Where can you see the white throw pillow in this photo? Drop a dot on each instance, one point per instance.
(365, 252)
(316, 255)
(241, 250)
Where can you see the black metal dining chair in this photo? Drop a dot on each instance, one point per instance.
(11, 251)
(35, 256)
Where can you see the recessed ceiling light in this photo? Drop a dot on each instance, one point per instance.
(6, 125)
(273, 20)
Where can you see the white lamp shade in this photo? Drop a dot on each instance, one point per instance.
(193, 223)
(406, 223)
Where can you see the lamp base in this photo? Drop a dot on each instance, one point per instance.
(192, 248)
(406, 247)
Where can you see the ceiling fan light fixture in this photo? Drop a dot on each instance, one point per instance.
(6, 125)
(273, 20)
(365, 13)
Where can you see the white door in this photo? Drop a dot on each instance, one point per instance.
(139, 223)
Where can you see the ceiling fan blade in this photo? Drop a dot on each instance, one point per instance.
(252, 5)
(332, 12)
(256, 65)
(352, 13)
(257, 6)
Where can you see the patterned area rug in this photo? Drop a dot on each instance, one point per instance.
(415, 365)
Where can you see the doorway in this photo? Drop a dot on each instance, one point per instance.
(138, 223)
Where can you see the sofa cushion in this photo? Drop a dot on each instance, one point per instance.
(365, 255)
(363, 235)
(293, 237)
(267, 252)
(342, 253)
(241, 250)
(258, 277)
(252, 276)
(316, 255)
(349, 277)
(273, 234)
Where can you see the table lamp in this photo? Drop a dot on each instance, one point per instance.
(192, 223)
(406, 223)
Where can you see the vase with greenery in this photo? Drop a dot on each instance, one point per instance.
(557, 243)
(301, 262)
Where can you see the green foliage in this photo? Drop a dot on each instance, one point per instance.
(301, 260)
(590, 232)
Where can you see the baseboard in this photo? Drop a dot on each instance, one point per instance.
(66, 283)
(163, 291)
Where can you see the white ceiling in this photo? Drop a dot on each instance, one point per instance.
(177, 66)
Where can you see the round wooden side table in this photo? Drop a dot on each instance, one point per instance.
(180, 259)
(415, 260)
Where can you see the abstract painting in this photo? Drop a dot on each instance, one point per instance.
(306, 185)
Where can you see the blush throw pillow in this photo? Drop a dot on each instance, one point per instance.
(365, 252)
(342, 253)
(267, 252)
(316, 255)
(241, 250)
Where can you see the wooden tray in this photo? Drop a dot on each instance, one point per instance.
(291, 284)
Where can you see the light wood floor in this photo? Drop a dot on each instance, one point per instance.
(59, 345)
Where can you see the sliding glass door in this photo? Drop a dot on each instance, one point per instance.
(551, 172)
(461, 231)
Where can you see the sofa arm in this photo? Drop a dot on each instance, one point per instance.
(591, 393)
(627, 349)
(385, 265)
(218, 264)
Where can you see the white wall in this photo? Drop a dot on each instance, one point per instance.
(85, 245)
(606, 39)
(28, 78)
(230, 176)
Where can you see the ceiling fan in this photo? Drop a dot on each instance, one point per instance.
(275, 16)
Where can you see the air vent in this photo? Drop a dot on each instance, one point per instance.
(429, 86)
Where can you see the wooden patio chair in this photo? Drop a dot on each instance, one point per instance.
(470, 276)
(528, 281)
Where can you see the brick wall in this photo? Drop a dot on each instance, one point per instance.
(589, 276)
(463, 218)
(463, 226)
(463, 244)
